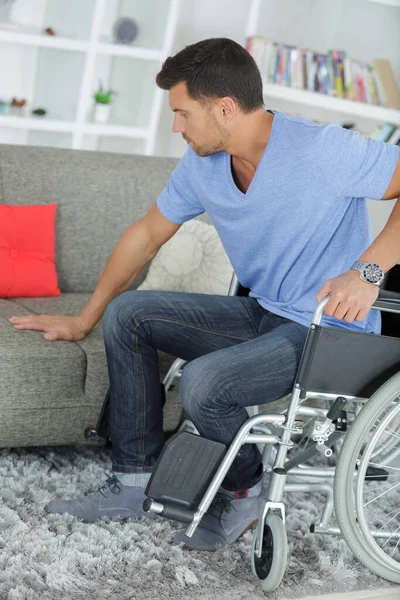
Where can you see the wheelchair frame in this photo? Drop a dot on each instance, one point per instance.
(377, 363)
(254, 429)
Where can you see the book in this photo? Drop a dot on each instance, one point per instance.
(333, 73)
(388, 82)
(384, 132)
(395, 137)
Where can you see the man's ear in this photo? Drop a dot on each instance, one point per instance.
(228, 107)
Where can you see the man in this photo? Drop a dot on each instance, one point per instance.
(286, 196)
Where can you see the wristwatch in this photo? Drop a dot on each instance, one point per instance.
(369, 272)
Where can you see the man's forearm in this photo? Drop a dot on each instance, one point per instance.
(385, 249)
(128, 259)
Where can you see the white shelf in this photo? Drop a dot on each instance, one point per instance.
(104, 129)
(130, 51)
(37, 123)
(42, 40)
(361, 109)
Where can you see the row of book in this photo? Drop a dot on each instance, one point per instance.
(387, 133)
(333, 73)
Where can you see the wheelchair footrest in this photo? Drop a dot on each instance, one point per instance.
(184, 470)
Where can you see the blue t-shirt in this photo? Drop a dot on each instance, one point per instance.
(303, 219)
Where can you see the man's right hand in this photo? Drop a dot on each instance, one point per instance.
(55, 327)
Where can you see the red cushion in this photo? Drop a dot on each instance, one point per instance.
(27, 245)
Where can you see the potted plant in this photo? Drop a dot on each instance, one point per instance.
(103, 100)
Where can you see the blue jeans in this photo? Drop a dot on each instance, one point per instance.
(240, 355)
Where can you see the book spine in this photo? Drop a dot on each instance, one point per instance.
(331, 69)
(338, 75)
(273, 63)
(381, 93)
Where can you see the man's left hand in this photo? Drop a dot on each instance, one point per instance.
(351, 298)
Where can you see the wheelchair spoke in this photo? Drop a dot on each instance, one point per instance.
(396, 546)
(391, 519)
(381, 466)
(383, 494)
(388, 540)
(393, 434)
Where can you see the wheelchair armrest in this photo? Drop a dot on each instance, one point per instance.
(387, 300)
(388, 295)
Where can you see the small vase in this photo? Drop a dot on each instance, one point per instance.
(101, 112)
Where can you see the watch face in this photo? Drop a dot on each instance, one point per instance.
(372, 273)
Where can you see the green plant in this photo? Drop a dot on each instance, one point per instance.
(102, 96)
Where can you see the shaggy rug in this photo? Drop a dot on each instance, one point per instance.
(57, 557)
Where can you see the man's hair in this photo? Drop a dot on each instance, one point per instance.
(212, 69)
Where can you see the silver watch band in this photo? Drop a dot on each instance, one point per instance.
(357, 265)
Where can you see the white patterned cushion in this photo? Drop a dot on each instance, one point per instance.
(193, 260)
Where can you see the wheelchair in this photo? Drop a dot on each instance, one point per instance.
(345, 409)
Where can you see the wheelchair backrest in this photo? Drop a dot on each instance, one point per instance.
(349, 363)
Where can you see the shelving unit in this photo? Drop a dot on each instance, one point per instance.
(313, 103)
(64, 83)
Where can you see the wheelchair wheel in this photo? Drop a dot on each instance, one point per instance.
(271, 566)
(367, 505)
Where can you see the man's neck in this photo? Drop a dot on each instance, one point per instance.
(248, 143)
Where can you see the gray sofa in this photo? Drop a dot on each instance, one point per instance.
(51, 391)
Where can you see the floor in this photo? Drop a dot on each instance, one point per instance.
(383, 594)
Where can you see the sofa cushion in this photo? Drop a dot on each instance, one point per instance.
(39, 372)
(27, 245)
(51, 391)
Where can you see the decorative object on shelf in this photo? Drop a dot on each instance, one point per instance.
(40, 112)
(125, 31)
(49, 31)
(17, 107)
(387, 79)
(102, 107)
(18, 103)
(2, 106)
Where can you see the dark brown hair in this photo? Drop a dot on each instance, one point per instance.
(212, 69)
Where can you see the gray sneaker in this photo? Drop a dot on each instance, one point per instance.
(227, 518)
(111, 500)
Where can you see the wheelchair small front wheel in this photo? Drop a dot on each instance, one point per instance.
(271, 566)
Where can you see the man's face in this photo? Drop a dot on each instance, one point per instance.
(197, 123)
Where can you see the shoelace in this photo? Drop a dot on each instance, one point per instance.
(112, 484)
(220, 504)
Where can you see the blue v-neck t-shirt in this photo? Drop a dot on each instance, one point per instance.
(303, 219)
